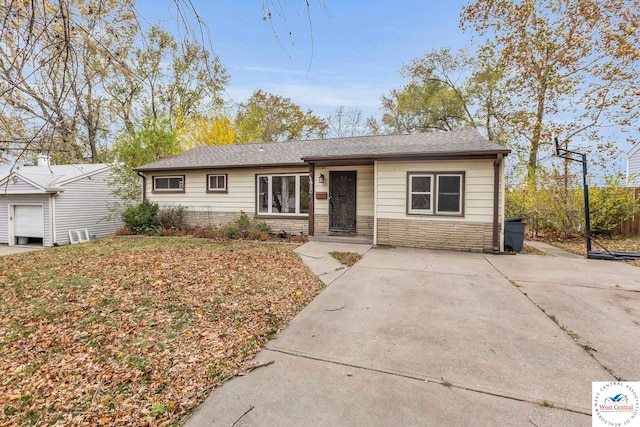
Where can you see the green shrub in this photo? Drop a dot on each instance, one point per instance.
(172, 217)
(141, 218)
(243, 227)
(611, 205)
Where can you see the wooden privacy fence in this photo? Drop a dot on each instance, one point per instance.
(631, 227)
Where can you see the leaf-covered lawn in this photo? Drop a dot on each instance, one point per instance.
(137, 331)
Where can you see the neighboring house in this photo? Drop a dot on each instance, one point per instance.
(633, 166)
(40, 204)
(432, 190)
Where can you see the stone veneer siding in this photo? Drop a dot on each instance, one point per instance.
(203, 218)
(364, 225)
(451, 235)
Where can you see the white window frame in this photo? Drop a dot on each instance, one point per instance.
(460, 194)
(180, 188)
(217, 190)
(270, 195)
(411, 193)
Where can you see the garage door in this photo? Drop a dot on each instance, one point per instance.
(28, 221)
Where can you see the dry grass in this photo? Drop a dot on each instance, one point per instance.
(346, 258)
(578, 246)
(530, 250)
(137, 331)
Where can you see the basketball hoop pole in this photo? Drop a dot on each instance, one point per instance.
(582, 158)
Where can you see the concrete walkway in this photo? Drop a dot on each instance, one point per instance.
(434, 338)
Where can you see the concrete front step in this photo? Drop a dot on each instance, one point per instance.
(342, 238)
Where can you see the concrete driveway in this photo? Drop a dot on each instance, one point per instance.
(433, 338)
(10, 250)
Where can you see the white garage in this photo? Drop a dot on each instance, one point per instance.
(39, 205)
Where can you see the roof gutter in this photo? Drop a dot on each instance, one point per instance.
(497, 164)
(447, 155)
(203, 167)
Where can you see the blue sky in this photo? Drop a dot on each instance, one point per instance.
(350, 56)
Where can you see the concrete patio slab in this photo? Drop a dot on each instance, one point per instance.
(597, 300)
(568, 271)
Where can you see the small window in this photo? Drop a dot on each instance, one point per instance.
(420, 192)
(449, 194)
(217, 183)
(168, 183)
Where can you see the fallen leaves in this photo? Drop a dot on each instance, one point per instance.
(137, 331)
(346, 258)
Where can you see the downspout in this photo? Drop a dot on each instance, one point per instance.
(52, 219)
(375, 202)
(312, 186)
(496, 203)
(144, 185)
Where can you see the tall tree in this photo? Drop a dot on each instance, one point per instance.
(152, 139)
(54, 58)
(569, 66)
(170, 80)
(446, 91)
(268, 117)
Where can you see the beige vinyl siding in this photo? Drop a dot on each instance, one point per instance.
(84, 203)
(15, 199)
(478, 191)
(364, 189)
(240, 195)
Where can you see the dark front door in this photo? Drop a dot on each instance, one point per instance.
(342, 200)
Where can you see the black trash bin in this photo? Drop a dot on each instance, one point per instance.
(514, 234)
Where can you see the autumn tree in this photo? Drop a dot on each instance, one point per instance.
(54, 60)
(206, 130)
(446, 91)
(268, 117)
(179, 81)
(570, 67)
(153, 139)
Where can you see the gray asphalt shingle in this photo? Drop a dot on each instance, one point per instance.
(293, 152)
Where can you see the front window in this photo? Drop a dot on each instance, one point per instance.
(168, 183)
(283, 194)
(435, 193)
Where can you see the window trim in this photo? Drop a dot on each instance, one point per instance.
(410, 193)
(168, 190)
(218, 190)
(274, 215)
(435, 209)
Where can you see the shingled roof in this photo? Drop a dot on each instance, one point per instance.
(434, 145)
